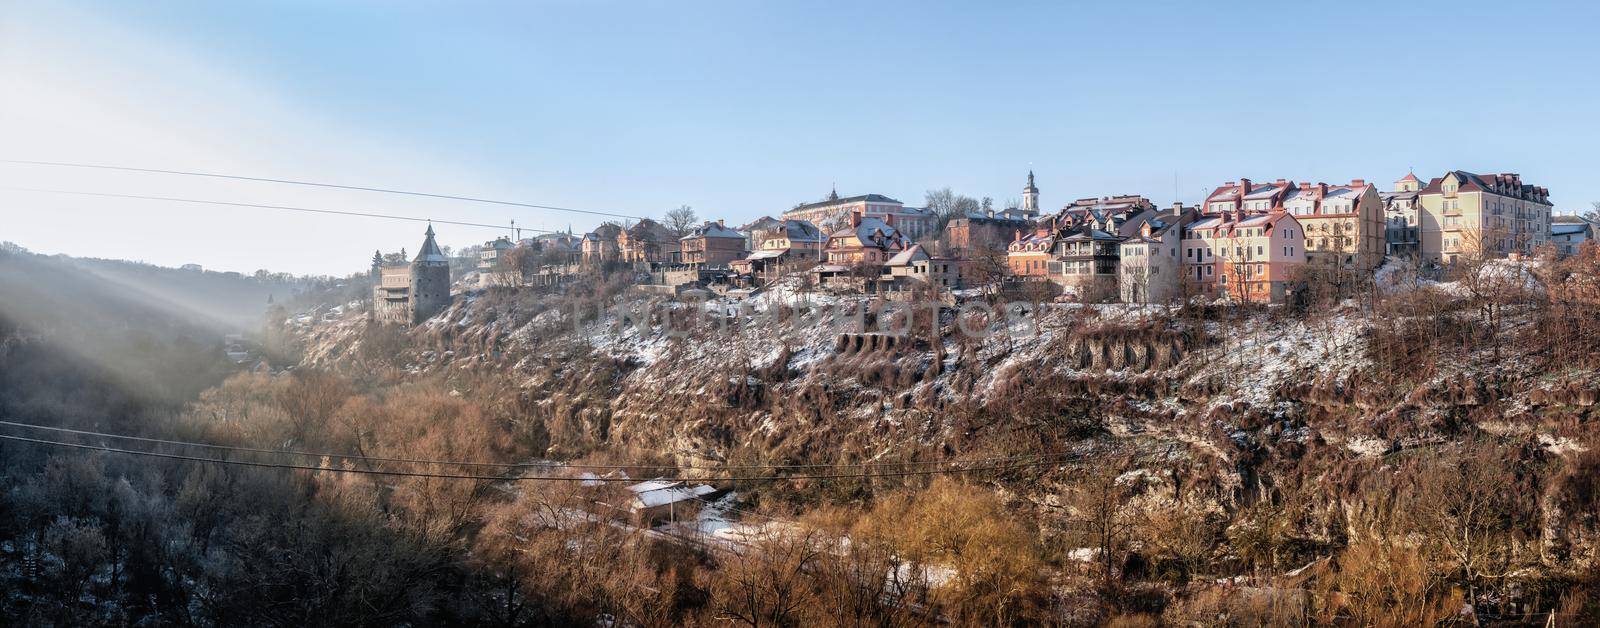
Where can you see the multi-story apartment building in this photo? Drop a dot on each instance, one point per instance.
(1245, 256)
(1401, 226)
(833, 213)
(1150, 269)
(1467, 215)
(1343, 224)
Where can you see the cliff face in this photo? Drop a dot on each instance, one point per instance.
(1226, 409)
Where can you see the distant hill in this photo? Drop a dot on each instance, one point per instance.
(81, 339)
(226, 302)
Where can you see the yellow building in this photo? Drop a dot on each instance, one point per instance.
(1467, 215)
(1343, 223)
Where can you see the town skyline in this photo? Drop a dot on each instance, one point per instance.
(238, 90)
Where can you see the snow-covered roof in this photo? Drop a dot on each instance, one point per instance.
(652, 493)
(712, 230)
(802, 230)
(906, 257)
(1264, 191)
(868, 227)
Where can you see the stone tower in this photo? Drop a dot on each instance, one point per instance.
(1030, 196)
(430, 280)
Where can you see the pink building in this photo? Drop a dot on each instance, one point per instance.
(1245, 256)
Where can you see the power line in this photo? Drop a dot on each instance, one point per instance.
(336, 212)
(214, 175)
(466, 476)
(513, 465)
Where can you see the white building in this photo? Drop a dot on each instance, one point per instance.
(1150, 269)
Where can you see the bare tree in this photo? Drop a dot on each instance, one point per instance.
(682, 219)
(946, 205)
(1102, 512)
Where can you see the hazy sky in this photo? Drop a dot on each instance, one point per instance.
(745, 108)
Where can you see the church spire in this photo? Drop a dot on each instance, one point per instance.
(1030, 195)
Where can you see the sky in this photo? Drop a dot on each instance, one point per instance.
(744, 108)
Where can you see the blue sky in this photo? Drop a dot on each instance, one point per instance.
(746, 108)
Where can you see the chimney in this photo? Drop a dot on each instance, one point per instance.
(1282, 182)
(1244, 187)
(1177, 207)
(1356, 183)
(888, 219)
(855, 218)
(1017, 236)
(722, 222)
(1322, 190)
(991, 213)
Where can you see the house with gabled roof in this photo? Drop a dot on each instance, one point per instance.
(781, 246)
(712, 244)
(600, 246)
(648, 242)
(1029, 252)
(866, 241)
(752, 229)
(859, 250)
(1569, 233)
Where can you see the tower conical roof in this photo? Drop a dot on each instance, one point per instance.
(430, 253)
